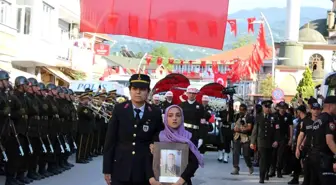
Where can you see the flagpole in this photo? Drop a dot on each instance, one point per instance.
(140, 62)
(273, 45)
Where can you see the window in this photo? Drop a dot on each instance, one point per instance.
(5, 11)
(23, 19)
(316, 64)
(47, 22)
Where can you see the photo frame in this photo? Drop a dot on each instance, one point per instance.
(169, 161)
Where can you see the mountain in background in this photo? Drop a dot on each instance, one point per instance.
(275, 16)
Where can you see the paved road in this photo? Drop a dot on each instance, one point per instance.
(214, 173)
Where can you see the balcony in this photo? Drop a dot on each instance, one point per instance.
(69, 11)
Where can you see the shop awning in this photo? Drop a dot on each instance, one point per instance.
(56, 72)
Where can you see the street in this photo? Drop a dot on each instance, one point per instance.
(214, 173)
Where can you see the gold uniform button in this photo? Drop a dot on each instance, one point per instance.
(135, 126)
(133, 152)
(133, 143)
(134, 135)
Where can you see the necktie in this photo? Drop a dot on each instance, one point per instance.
(137, 115)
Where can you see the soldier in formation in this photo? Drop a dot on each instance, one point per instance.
(39, 129)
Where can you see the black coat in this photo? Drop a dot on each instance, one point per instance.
(126, 147)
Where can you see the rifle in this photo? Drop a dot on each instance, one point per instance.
(61, 146)
(3, 151)
(67, 146)
(43, 146)
(50, 145)
(13, 127)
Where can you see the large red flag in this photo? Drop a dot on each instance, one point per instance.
(192, 22)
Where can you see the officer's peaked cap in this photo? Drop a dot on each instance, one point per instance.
(20, 80)
(140, 81)
(267, 103)
(282, 105)
(32, 82)
(51, 86)
(330, 100)
(302, 108)
(4, 75)
(42, 86)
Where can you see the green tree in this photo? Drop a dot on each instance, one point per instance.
(267, 86)
(139, 55)
(242, 41)
(162, 51)
(306, 85)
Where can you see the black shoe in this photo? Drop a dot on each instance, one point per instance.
(294, 181)
(53, 171)
(45, 173)
(267, 177)
(64, 166)
(261, 181)
(33, 175)
(81, 161)
(69, 164)
(12, 181)
(279, 175)
(24, 180)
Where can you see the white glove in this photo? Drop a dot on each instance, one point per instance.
(200, 142)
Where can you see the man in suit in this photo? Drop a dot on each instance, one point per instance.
(171, 169)
(132, 128)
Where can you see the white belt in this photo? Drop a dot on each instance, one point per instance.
(187, 125)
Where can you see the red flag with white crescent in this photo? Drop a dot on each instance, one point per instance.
(221, 79)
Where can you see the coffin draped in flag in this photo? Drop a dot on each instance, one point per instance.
(193, 22)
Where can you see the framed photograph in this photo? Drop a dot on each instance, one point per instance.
(170, 161)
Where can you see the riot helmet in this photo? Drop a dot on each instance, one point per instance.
(20, 80)
(42, 86)
(51, 86)
(32, 82)
(4, 75)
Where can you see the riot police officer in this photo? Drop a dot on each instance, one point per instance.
(265, 136)
(323, 152)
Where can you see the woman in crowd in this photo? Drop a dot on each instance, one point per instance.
(175, 132)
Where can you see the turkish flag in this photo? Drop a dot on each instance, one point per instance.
(192, 22)
(221, 79)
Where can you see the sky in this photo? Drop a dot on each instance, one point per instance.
(236, 5)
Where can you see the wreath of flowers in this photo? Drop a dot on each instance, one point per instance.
(216, 104)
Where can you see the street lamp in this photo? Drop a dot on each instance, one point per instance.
(262, 21)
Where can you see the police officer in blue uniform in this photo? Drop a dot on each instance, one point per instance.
(132, 128)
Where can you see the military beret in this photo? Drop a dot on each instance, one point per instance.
(140, 81)
(330, 100)
(267, 103)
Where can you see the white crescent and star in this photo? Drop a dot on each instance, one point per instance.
(220, 81)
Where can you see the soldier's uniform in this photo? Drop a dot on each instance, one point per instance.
(100, 126)
(54, 130)
(130, 132)
(193, 113)
(168, 102)
(85, 119)
(224, 137)
(264, 135)
(11, 113)
(207, 127)
(33, 131)
(44, 131)
(22, 129)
